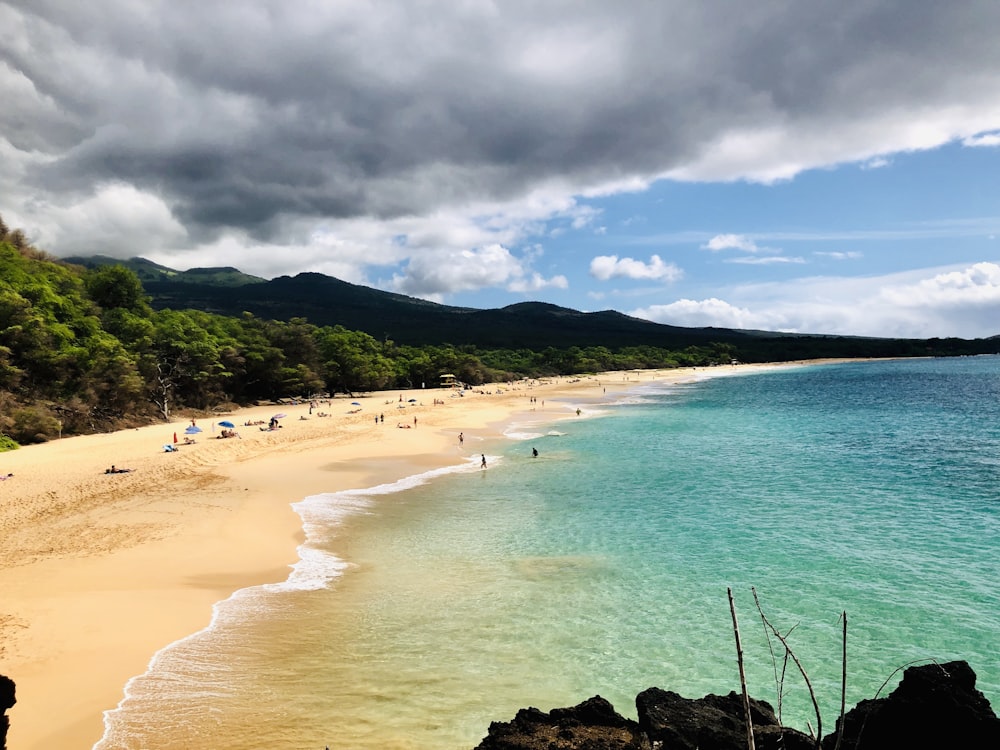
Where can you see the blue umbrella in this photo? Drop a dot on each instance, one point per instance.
(226, 423)
(355, 403)
(193, 430)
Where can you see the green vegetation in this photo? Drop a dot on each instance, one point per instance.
(82, 349)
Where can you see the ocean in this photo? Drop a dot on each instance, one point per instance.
(422, 611)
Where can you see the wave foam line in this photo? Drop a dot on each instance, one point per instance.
(314, 569)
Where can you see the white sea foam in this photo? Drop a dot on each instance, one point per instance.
(529, 430)
(534, 431)
(634, 399)
(521, 434)
(175, 670)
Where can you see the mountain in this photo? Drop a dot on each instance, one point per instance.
(327, 301)
(148, 271)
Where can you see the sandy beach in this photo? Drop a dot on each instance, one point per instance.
(99, 571)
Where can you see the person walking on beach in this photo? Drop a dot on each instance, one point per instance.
(461, 438)
(483, 464)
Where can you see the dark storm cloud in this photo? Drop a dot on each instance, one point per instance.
(239, 115)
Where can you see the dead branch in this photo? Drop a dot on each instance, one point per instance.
(812, 693)
(743, 677)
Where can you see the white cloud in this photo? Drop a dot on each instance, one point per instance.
(326, 140)
(839, 255)
(583, 216)
(731, 242)
(117, 220)
(233, 137)
(433, 275)
(877, 162)
(702, 313)
(973, 287)
(767, 260)
(535, 282)
(915, 304)
(759, 256)
(983, 140)
(605, 267)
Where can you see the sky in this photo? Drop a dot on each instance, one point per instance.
(787, 165)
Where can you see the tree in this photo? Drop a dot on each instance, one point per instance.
(353, 361)
(182, 364)
(116, 288)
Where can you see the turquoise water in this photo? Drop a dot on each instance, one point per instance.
(423, 611)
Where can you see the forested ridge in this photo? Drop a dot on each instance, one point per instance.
(82, 351)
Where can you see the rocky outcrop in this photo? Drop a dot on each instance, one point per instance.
(714, 722)
(7, 700)
(935, 706)
(592, 725)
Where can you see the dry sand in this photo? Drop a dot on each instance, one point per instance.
(99, 571)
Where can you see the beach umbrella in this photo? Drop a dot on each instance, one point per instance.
(279, 416)
(192, 430)
(355, 403)
(412, 400)
(226, 423)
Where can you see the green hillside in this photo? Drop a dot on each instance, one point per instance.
(94, 344)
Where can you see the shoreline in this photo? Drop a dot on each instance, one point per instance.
(102, 572)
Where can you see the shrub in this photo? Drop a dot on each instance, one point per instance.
(33, 424)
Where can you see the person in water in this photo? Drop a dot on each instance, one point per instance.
(534, 452)
(483, 464)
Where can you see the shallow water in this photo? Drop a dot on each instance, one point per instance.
(418, 616)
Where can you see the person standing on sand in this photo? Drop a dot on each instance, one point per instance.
(461, 438)
(483, 464)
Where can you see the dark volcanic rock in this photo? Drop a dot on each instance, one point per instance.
(935, 706)
(7, 700)
(714, 722)
(592, 725)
